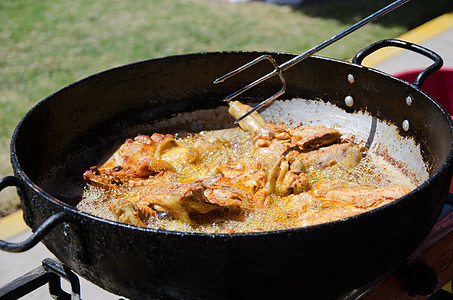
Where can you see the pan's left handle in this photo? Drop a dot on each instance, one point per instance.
(423, 75)
(40, 232)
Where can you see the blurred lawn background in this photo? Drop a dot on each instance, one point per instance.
(46, 45)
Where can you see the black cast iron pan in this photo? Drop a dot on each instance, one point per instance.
(146, 263)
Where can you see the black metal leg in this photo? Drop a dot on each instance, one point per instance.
(50, 272)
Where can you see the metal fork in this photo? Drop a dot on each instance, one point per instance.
(278, 69)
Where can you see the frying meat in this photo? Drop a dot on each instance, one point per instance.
(285, 179)
(349, 193)
(232, 185)
(336, 199)
(238, 182)
(142, 157)
(312, 149)
(251, 123)
(345, 154)
(161, 195)
(314, 137)
(200, 179)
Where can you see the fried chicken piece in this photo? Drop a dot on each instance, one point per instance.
(336, 199)
(162, 194)
(314, 137)
(127, 212)
(285, 178)
(314, 146)
(309, 137)
(236, 187)
(252, 122)
(265, 135)
(360, 196)
(305, 210)
(141, 157)
(242, 184)
(347, 154)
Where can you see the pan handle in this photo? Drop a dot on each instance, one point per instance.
(423, 75)
(37, 236)
(40, 232)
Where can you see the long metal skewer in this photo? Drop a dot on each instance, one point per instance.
(278, 69)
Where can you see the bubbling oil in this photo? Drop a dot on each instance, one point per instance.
(219, 146)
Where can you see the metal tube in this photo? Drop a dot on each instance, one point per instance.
(279, 69)
(342, 34)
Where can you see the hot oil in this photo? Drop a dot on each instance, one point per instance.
(219, 146)
(215, 147)
(96, 200)
(372, 171)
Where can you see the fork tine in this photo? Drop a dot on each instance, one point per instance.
(265, 102)
(249, 86)
(277, 70)
(243, 67)
(256, 82)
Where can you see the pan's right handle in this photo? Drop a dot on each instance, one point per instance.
(40, 232)
(423, 75)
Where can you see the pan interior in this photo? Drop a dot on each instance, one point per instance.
(381, 138)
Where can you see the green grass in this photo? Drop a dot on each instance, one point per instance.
(46, 45)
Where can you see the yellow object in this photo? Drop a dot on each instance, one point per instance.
(12, 225)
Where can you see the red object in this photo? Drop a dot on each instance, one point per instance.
(439, 86)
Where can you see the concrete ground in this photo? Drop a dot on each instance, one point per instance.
(436, 35)
(14, 265)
